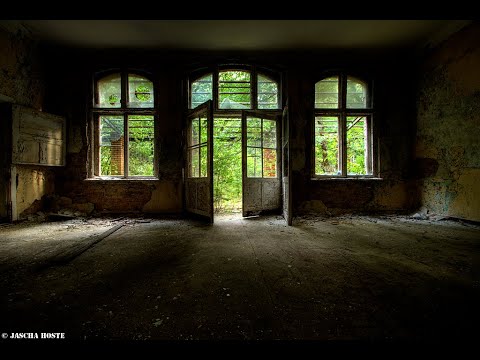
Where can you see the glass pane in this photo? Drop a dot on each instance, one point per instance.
(194, 162)
(234, 90)
(203, 130)
(140, 92)
(140, 145)
(356, 94)
(254, 162)
(270, 134)
(111, 145)
(326, 146)
(194, 132)
(254, 131)
(356, 145)
(326, 93)
(109, 91)
(267, 93)
(269, 163)
(201, 91)
(203, 161)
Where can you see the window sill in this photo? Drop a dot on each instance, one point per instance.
(118, 178)
(351, 178)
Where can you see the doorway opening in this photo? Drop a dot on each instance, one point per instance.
(227, 165)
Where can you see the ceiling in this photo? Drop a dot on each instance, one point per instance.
(240, 34)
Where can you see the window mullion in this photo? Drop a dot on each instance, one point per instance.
(343, 124)
(125, 145)
(215, 88)
(254, 88)
(261, 144)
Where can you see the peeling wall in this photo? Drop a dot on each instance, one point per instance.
(448, 129)
(32, 185)
(22, 82)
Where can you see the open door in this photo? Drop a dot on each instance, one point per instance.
(199, 162)
(260, 163)
(286, 169)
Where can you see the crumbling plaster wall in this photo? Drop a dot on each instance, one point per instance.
(448, 129)
(22, 82)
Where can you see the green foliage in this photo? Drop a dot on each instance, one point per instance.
(141, 144)
(143, 93)
(227, 169)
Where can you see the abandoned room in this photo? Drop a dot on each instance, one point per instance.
(239, 180)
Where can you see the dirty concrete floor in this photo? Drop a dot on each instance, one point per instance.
(343, 278)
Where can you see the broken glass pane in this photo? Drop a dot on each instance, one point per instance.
(356, 93)
(140, 92)
(201, 91)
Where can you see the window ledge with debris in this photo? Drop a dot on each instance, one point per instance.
(349, 178)
(120, 178)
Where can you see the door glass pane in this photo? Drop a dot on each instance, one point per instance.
(140, 145)
(140, 92)
(194, 162)
(201, 91)
(194, 132)
(203, 161)
(203, 130)
(269, 134)
(269, 163)
(254, 162)
(326, 146)
(234, 90)
(109, 91)
(254, 131)
(356, 93)
(267, 91)
(326, 93)
(357, 145)
(111, 145)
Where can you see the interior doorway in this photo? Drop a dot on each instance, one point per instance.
(227, 166)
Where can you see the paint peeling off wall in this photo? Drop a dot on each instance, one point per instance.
(166, 197)
(448, 128)
(32, 185)
(22, 82)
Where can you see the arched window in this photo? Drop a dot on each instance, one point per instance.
(343, 131)
(124, 119)
(234, 89)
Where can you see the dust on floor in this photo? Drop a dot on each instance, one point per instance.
(341, 278)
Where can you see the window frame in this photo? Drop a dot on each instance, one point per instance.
(254, 72)
(124, 111)
(342, 112)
